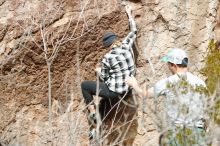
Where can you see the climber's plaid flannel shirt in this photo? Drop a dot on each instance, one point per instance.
(119, 63)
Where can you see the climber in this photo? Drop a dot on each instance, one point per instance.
(182, 90)
(113, 69)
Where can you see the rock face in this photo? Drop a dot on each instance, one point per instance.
(66, 36)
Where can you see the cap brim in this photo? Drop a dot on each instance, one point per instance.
(164, 59)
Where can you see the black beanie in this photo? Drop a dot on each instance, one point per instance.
(109, 38)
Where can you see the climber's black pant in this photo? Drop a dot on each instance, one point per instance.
(89, 89)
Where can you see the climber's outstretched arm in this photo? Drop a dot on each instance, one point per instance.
(130, 38)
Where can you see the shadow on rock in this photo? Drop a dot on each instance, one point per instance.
(119, 120)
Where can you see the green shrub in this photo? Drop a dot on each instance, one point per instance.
(212, 72)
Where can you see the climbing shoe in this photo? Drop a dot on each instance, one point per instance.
(92, 134)
(92, 118)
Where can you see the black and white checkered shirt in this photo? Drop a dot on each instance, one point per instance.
(119, 63)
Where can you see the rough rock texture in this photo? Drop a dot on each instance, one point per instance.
(73, 29)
